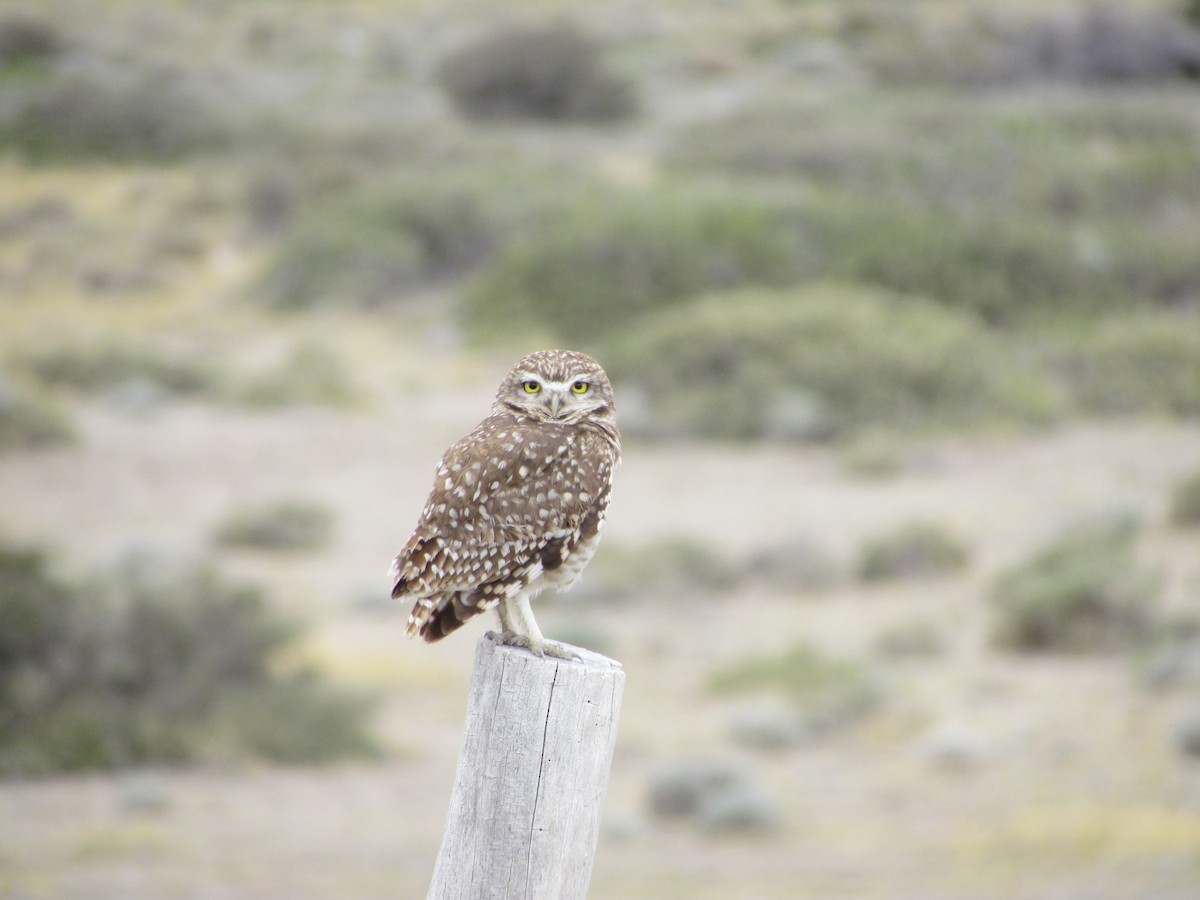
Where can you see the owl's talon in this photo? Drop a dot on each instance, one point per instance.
(561, 651)
(540, 649)
(512, 639)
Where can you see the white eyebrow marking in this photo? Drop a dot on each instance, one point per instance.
(555, 385)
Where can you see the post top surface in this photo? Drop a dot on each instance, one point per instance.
(587, 658)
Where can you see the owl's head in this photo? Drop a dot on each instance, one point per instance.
(560, 386)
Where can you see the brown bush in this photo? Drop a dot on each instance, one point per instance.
(552, 72)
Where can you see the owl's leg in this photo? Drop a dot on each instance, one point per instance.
(518, 629)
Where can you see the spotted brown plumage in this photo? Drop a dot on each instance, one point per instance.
(517, 505)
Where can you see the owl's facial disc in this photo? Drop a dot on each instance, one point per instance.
(558, 400)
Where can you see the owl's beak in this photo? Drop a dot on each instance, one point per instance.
(556, 399)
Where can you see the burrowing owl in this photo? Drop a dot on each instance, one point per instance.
(517, 505)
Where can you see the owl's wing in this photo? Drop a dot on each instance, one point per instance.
(502, 496)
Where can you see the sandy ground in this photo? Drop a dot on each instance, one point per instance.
(1071, 785)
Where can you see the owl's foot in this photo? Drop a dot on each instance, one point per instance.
(559, 651)
(541, 648)
(518, 629)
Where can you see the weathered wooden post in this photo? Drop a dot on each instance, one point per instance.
(525, 814)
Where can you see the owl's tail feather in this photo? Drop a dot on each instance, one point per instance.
(435, 617)
(418, 617)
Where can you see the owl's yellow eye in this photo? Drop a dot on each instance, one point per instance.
(531, 387)
(580, 387)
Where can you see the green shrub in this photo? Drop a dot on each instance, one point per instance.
(1185, 501)
(271, 201)
(799, 672)
(372, 246)
(285, 525)
(1171, 657)
(35, 615)
(26, 40)
(309, 374)
(830, 692)
(1152, 171)
(911, 54)
(970, 156)
(27, 422)
(605, 263)
(786, 140)
(160, 664)
(1082, 592)
(89, 368)
(340, 259)
(1093, 44)
(552, 72)
(146, 117)
(912, 550)
(1153, 270)
(1186, 733)
(1132, 364)
(298, 720)
(345, 258)
(718, 795)
(1191, 12)
(1106, 44)
(824, 362)
(987, 205)
(1008, 269)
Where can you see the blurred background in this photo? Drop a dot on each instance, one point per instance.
(901, 299)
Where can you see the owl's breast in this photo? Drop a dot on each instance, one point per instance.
(564, 559)
(572, 565)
